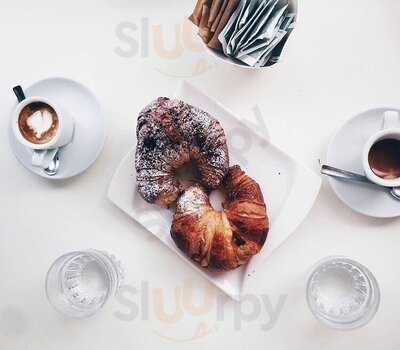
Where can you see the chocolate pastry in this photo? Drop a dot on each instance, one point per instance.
(171, 133)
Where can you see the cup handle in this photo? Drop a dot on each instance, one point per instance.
(19, 93)
(391, 119)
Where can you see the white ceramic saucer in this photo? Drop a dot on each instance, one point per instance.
(89, 136)
(345, 152)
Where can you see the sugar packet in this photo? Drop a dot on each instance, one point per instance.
(257, 31)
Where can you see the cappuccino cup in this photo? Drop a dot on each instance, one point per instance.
(381, 154)
(42, 126)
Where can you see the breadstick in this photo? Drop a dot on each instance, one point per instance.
(197, 12)
(215, 8)
(204, 31)
(217, 20)
(230, 8)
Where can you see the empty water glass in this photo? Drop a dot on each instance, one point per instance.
(342, 293)
(80, 283)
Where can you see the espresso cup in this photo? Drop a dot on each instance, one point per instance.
(389, 135)
(62, 131)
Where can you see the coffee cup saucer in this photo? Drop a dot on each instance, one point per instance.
(345, 152)
(89, 133)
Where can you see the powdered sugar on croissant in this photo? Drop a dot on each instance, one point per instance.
(171, 133)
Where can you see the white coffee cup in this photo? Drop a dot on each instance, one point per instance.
(390, 130)
(42, 153)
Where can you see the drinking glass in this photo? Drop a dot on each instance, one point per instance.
(342, 293)
(80, 283)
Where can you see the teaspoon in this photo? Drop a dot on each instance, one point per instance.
(349, 176)
(54, 165)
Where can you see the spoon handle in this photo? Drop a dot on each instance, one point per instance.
(343, 174)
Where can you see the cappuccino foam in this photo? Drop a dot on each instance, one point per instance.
(38, 122)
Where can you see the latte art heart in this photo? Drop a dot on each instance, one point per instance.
(40, 122)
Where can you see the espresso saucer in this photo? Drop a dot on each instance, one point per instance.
(89, 134)
(345, 152)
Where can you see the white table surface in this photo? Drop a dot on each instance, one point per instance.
(344, 57)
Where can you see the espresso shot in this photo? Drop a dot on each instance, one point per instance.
(384, 159)
(38, 123)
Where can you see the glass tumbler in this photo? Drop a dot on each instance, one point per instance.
(80, 283)
(342, 293)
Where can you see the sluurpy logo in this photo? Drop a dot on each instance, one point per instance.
(196, 311)
(173, 49)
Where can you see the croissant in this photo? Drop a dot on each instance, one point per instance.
(223, 240)
(171, 133)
